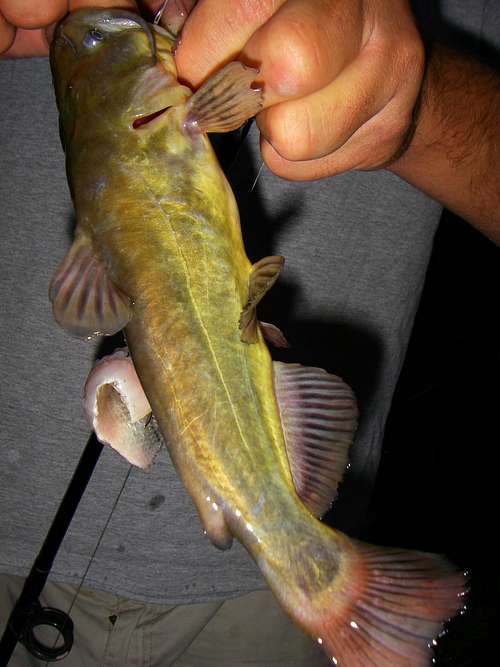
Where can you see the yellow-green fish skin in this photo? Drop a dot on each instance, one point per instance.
(157, 210)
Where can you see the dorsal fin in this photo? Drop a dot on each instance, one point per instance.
(85, 301)
(264, 274)
(319, 418)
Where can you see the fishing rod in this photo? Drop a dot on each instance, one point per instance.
(28, 614)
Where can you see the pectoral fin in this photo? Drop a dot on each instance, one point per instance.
(225, 101)
(319, 418)
(263, 276)
(85, 301)
(119, 411)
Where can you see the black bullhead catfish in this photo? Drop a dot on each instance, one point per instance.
(158, 252)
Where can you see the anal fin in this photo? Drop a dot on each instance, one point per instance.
(319, 417)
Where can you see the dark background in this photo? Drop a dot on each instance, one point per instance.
(437, 488)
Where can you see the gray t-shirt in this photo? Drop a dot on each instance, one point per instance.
(356, 249)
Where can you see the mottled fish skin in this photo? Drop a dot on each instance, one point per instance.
(157, 210)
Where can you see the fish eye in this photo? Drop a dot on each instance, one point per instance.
(92, 38)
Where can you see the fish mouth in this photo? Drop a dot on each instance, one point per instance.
(148, 118)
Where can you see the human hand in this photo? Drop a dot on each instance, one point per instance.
(341, 77)
(26, 26)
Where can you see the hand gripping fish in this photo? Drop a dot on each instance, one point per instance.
(158, 252)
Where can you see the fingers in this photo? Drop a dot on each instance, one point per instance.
(123, 4)
(28, 43)
(318, 124)
(299, 46)
(305, 45)
(20, 24)
(369, 147)
(361, 118)
(363, 135)
(27, 25)
(29, 14)
(7, 34)
(216, 32)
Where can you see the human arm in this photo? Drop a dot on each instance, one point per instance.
(455, 152)
(342, 80)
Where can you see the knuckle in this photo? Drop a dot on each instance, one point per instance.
(411, 56)
(401, 53)
(295, 57)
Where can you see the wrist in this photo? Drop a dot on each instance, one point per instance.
(454, 155)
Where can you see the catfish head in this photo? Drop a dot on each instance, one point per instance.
(112, 70)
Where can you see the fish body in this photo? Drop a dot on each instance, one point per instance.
(155, 205)
(158, 251)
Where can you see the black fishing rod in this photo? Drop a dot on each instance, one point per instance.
(28, 614)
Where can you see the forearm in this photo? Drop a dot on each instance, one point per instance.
(455, 152)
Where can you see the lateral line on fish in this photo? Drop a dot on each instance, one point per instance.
(210, 346)
(201, 323)
(205, 264)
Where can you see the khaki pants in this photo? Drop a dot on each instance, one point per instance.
(112, 631)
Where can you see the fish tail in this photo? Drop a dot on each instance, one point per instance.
(383, 608)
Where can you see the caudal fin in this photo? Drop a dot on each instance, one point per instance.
(385, 608)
